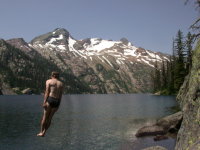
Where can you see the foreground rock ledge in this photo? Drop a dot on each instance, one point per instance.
(188, 137)
(163, 126)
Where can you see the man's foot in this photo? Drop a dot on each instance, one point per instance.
(40, 134)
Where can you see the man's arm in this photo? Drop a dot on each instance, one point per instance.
(47, 91)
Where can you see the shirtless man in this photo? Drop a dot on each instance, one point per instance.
(52, 98)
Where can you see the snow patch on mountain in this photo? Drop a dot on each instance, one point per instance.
(55, 39)
(153, 55)
(98, 45)
(101, 59)
(130, 52)
(62, 47)
(107, 61)
(147, 62)
(71, 43)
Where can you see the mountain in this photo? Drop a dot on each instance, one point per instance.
(25, 68)
(103, 66)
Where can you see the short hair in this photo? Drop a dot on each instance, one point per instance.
(55, 74)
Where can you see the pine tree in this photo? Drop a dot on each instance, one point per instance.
(157, 78)
(169, 77)
(163, 77)
(179, 46)
(179, 68)
(189, 42)
(174, 53)
(172, 66)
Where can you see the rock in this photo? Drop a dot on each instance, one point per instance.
(172, 122)
(19, 43)
(160, 137)
(157, 93)
(150, 130)
(188, 137)
(27, 91)
(155, 148)
(6, 89)
(1, 92)
(124, 41)
(16, 90)
(162, 126)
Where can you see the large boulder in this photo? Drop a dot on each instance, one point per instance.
(171, 123)
(163, 126)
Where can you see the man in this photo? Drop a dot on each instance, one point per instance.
(52, 98)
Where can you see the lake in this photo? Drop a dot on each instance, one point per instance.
(83, 122)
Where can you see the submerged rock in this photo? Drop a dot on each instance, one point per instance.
(150, 130)
(160, 137)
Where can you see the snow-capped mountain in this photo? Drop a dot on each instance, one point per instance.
(106, 66)
(61, 41)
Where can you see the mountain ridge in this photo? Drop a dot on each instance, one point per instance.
(105, 66)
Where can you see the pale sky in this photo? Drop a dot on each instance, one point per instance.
(150, 24)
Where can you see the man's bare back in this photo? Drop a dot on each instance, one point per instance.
(55, 88)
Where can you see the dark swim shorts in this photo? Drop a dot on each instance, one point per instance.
(53, 102)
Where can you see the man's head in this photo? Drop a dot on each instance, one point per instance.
(55, 75)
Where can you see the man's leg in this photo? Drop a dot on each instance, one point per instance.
(44, 121)
(53, 110)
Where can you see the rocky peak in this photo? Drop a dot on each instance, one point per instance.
(58, 36)
(16, 41)
(79, 45)
(62, 31)
(124, 41)
(19, 43)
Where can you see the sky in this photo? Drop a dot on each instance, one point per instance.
(150, 24)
